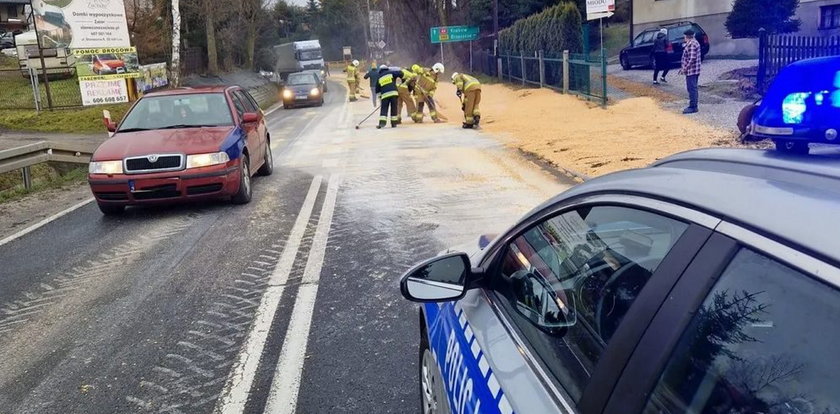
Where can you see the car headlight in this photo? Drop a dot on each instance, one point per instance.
(105, 167)
(287, 94)
(315, 92)
(206, 160)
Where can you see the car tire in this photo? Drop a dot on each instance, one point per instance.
(321, 103)
(287, 106)
(243, 195)
(792, 147)
(433, 399)
(268, 164)
(625, 63)
(111, 209)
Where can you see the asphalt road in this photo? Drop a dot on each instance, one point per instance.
(287, 304)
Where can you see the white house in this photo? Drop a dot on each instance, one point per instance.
(818, 17)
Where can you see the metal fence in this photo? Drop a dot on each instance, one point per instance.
(578, 74)
(777, 51)
(23, 89)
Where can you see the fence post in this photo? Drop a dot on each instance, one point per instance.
(762, 60)
(26, 172)
(522, 65)
(499, 72)
(542, 69)
(565, 71)
(604, 76)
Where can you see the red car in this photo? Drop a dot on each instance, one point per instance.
(179, 145)
(107, 64)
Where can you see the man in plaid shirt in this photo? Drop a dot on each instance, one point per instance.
(691, 69)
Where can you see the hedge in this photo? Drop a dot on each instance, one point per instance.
(553, 30)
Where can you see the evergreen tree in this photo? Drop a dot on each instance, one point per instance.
(748, 16)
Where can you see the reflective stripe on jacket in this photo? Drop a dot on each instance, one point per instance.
(466, 83)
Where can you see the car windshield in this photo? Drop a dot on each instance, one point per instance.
(182, 111)
(108, 57)
(310, 54)
(301, 79)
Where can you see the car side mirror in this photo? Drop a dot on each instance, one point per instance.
(249, 117)
(111, 126)
(442, 279)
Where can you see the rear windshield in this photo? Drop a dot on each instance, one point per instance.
(193, 110)
(301, 79)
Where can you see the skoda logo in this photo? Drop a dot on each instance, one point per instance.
(152, 158)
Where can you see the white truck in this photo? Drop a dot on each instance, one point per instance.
(298, 56)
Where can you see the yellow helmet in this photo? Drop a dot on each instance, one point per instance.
(416, 68)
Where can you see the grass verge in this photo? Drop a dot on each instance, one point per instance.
(45, 176)
(75, 120)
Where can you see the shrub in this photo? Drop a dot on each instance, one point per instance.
(748, 16)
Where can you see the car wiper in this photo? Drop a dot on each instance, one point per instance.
(187, 126)
(133, 129)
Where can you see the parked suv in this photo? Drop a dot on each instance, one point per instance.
(708, 283)
(640, 53)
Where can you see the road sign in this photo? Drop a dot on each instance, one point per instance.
(377, 25)
(599, 6)
(596, 16)
(380, 44)
(448, 34)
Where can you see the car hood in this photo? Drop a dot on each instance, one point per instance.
(163, 141)
(112, 63)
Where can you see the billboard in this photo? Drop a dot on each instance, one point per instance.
(152, 77)
(81, 23)
(101, 92)
(106, 63)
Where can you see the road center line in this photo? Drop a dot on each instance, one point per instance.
(235, 395)
(282, 397)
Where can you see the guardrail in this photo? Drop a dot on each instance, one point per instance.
(24, 157)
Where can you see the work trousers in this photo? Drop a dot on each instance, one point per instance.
(471, 100)
(406, 100)
(353, 88)
(389, 104)
(422, 100)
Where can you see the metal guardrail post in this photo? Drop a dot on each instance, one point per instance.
(26, 172)
(499, 71)
(762, 60)
(542, 69)
(522, 65)
(565, 71)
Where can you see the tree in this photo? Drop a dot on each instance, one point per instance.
(175, 65)
(251, 12)
(748, 16)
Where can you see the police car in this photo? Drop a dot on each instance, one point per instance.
(707, 283)
(802, 106)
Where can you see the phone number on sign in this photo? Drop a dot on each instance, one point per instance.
(110, 99)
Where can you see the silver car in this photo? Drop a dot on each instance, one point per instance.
(707, 283)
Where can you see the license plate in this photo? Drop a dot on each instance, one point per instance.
(300, 98)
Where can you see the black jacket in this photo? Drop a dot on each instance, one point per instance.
(660, 44)
(386, 84)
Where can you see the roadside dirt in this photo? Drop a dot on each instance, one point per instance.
(566, 131)
(22, 213)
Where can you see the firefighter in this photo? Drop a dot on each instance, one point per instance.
(424, 90)
(352, 71)
(406, 90)
(386, 87)
(468, 89)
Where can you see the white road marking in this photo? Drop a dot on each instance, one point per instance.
(282, 397)
(273, 108)
(235, 394)
(45, 221)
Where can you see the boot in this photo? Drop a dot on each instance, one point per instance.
(477, 119)
(379, 126)
(466, 126)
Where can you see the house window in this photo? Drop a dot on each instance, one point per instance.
(12, 11)
(830, 17)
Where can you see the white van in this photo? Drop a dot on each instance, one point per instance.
(57, 59)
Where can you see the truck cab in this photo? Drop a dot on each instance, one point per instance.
(298, 56)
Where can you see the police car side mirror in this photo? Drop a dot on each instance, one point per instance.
(442, 279)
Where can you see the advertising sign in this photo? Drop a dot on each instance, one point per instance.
(82, 23)
(600, 6)
(377, 25)
(152, 77)
(447, 34)
(103, 92)
(106, 63)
